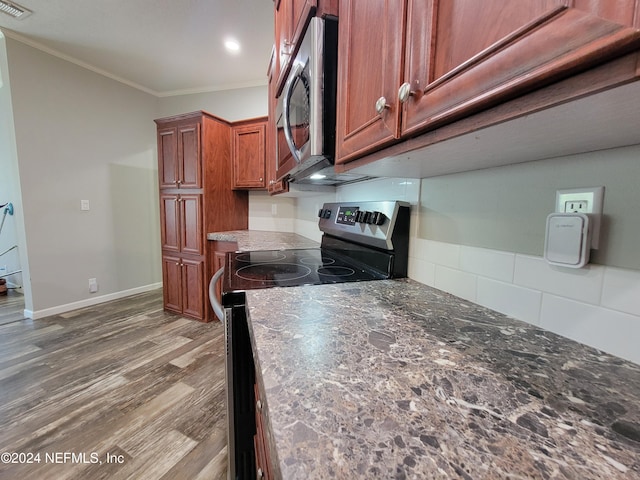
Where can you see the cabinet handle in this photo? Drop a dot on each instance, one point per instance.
(272, 182)
(404, 92)
(381, 104)
(286, 48)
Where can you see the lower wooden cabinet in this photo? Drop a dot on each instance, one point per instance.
(263, 464)
(183, 286)
(217, 255)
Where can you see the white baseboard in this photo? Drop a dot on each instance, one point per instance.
(34, 315)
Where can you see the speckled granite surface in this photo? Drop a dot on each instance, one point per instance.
(263, 240)
(393, 379)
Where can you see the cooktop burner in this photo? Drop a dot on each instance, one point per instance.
(361, 241)
(286, 268)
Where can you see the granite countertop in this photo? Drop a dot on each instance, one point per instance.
(394, 379)
(263, 240)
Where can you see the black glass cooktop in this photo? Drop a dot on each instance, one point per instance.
(287, 268)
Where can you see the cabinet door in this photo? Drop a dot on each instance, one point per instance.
(291, 18)
(189, 156)
(170, 227)
(283, 41)
(168, 157)
(370, 43)
(466, 55)
(248, 154)
(172, 283)
(193, 288)
(191, 224)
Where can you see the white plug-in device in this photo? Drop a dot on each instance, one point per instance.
(567, 240)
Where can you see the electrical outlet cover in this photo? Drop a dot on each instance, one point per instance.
(594, 198)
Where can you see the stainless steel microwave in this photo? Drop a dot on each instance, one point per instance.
(306, 108)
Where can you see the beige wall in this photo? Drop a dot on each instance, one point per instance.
(506, 208)
(230, 105)
(80, 135)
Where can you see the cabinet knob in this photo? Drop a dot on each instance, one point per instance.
(259, 405)
(404, 92)
(381, 104)
(260, 473)
(179, 182)
(177, 264)
(260, 179)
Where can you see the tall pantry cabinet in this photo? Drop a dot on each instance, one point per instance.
(196, 197)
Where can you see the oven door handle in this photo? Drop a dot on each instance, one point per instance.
(217, 307)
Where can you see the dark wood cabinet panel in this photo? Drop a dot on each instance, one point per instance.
(370, 60)
(183, 284)
(181, 223)
(193, 288)
(435, 62)
(172, 283)
(191, 224)
(200, 200)
(179, 162)
(189, 156)
(169, 222)
(291, 20)
(168, 157)
(248, 155)
(483, 53)
(264, 469)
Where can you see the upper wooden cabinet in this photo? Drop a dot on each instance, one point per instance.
(179, 156)
(248, 154)
(438, 61)
(291, 20)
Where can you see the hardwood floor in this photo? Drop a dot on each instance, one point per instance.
(120, 390)
(11, 307)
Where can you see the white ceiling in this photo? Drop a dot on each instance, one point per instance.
(164, 47)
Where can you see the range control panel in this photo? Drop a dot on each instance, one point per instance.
(371, 223)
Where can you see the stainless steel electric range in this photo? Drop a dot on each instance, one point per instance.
(361, 241)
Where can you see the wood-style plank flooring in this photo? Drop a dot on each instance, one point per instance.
(120, 390)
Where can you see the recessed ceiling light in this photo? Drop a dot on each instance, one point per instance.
(13, 9)
(231, 45)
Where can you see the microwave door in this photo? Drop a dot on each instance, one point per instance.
(296, 115)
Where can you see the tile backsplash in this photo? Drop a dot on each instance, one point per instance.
(598, 305)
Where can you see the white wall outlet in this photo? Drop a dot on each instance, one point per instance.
(84, 205)
(274, 209)
(93, 285)
(588, 200)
